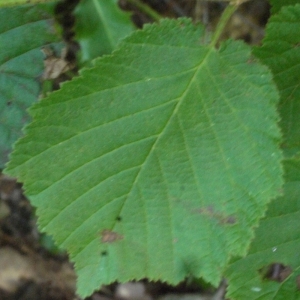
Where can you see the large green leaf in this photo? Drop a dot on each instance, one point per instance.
(157, 162)
(281, 53)
(100, 25)
(23, 31)
(277, 241)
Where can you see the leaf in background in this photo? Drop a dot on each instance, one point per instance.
(281, 53)
(277, 241)
(158, 161)
(23, 31)
(20, 2)
(277, 238)
(278, 4)
(100, 25)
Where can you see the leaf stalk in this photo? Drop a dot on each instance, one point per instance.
(226, 15)
(146, 9)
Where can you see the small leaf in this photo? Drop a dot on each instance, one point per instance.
(23, 31)
(100, 25)
(277, 241)
(157, 162)
(281, 53)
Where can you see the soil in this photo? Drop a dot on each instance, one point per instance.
(31, 268)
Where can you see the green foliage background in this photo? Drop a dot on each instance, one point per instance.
(277, 237)
(280, 52)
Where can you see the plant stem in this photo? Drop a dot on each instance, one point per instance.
(227, 13)
(146, 9)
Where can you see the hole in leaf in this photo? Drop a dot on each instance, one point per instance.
(119, 219)
(104, 253)
(276, 272)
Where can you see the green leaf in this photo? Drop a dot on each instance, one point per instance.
(158, 161)
(278, 4)
(281, 53)
(23, 31)
(277, 241)
(20, 2)
(100, 25)
(277, 238)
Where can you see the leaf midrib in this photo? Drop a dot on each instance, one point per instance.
(197, 69)
(174, 113)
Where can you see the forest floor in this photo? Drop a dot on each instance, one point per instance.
(31, 268)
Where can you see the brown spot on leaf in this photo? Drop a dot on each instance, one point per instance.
(298, 282)
(222, 218)
(229, 220)
(109, 236)
(276, 272)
